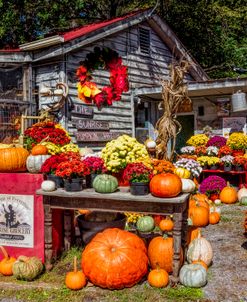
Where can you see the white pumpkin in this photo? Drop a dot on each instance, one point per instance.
(48, 186)
(241, 193)
(34, 162)
(188, 185)
(193, 275)
(217, 202)
(151, 144)
(200, 249)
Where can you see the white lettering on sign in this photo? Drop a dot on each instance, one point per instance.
(96, 136)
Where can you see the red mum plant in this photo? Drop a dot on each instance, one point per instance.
(95, 164)
(201, 150)
(137, 172)
(225, 150)
(72, 169)
(51, 164)
(239, 160)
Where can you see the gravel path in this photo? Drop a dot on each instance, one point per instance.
(227, 277)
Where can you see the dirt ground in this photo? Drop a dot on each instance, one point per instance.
(227, 277)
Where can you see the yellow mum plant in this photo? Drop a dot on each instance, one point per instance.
(237, 141)
(197, 140)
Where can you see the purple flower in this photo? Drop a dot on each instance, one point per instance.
(217, 141)
(212, 184)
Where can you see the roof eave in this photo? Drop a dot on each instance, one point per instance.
(42, 43)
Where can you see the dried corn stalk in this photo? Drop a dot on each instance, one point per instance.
(174, 93)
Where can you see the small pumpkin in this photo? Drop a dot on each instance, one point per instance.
(48, 186)
(242, 193)
(105, 183)
(166, 225)
(182, 172)
(160, 253)
(158, 278)
(228, 195)
(39, 150)
(193, 275)
(200, 249)
(75, 280)
(34, 162)
(188, 185)
(217, 202)
(115, 259)
(145, 224)
(214, 217)
(165, 185)
(13, 159)
(192, 233)
(198, 216)
(6, 263)
(201, 263)
(199, 199)
(27, 268)
(243, 201)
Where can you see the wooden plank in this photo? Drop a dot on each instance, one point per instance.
(88, 124)
(82, 110)
(96, 136)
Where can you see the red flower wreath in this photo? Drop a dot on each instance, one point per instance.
(109, 60)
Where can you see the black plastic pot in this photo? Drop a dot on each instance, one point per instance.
(139, 188)
(89, 180)
(89, 229)
(57, 179)
(73, 185)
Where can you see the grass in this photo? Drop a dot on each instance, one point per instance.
(57, 292)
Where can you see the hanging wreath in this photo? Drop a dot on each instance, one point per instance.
(109, 60)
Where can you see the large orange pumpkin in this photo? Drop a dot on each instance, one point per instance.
(198, 216)
(160, 253)
(115, 259)
(228, 195)
(165, 185)
(13, 159)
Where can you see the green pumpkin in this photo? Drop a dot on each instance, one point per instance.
(105, 183)
(243, 201)
(27, 268)
(145, 224)
(193, 275)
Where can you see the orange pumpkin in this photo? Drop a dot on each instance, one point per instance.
(201, 263)
(115, 259)
(160, 253)
(166, 225)
(192, 233)
(7, 263)
(165, 185)
(75, 280)
(198, 216)
(84, 211)
(39, 150)
(13, 159)
(158, 278)
(228, 195)
(214, 217)
(199, 199)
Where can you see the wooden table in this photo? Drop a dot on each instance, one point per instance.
(118, 202)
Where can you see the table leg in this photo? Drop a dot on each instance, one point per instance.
(177, 238)
(185, 227)
(67, 229)
(48, 237)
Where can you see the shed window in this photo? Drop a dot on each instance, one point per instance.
(144, 40)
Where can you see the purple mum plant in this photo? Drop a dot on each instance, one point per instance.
(216, 141)
(212, 184)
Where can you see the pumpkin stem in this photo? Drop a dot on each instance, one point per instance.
(75, 264)
(165, 236)
(199, 234)
(5, 254)
(228, 184)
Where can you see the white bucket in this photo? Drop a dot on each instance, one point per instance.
(239, 102)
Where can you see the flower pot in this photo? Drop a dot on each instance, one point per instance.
(139, 188)
(88, 229)
(89, 180)
(239, 168)
(57, 179)
(214, 167)
(73, 185)
(228, 168)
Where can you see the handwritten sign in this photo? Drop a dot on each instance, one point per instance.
(16, 220)
(88, 124)
(96, 136)
(233, 124)
(82, 110)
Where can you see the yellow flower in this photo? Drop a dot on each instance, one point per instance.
(197, 140)
(237, 141)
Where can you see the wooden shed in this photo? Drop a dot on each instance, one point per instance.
(147, 47)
